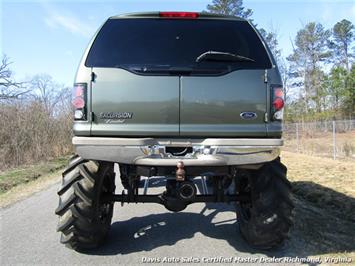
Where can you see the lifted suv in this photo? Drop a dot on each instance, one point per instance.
(191, 97)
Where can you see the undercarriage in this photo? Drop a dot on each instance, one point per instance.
(183, 185)
(260, 193)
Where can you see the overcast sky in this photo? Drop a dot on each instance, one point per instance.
(50, 36)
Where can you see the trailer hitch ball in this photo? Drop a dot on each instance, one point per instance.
(180, 172)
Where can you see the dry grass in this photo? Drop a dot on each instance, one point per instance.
(335, 174)
(321, 144)
(324, 195)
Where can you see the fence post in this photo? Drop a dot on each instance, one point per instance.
(297, 138)
(334, 142)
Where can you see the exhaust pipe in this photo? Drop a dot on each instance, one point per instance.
(186, 190)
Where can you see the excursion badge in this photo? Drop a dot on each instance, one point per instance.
(115, 117)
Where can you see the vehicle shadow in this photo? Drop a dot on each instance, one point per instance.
(321, 226)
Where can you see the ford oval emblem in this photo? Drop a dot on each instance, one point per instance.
(248, 115)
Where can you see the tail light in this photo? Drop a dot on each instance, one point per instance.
(178, 14)
(79, 101)
(278, 102)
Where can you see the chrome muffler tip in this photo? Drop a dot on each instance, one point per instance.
(186, 190)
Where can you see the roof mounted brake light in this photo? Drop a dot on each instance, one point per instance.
(178, 14)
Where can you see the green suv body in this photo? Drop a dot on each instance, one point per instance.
(187, 96)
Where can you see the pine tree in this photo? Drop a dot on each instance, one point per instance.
(230, 7)
(343, 36)
(310, 50)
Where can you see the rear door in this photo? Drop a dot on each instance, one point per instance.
(128, 99)
(231, 105)
(231, 102)
(126, 104)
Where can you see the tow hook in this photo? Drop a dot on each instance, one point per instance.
(180, 172)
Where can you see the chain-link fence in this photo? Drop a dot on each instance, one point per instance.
(335, 139)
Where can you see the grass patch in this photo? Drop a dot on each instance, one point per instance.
(325, 183)
(337, 175)
(321, 144)
(324, 197)
(14, 177)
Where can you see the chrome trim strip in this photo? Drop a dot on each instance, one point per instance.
(103, 141)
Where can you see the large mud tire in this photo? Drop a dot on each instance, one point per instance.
(265, 222)
(84, 220)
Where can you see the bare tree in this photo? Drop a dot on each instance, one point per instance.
(9, 89)
(48, 92)
(36, 127)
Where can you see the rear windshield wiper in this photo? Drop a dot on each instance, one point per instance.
(163, 70)
(222, 56)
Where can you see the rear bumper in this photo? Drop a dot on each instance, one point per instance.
(152, 151)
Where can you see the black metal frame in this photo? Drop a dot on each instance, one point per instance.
(221, 177)
(159, 198)
(141, 170)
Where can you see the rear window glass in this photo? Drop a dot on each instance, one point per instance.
(126, 43)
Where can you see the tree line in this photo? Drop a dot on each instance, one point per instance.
(35, 119)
